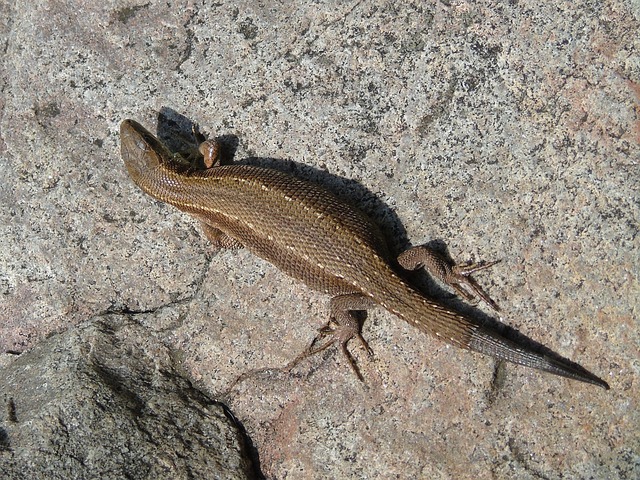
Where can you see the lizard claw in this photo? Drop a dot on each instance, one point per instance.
(340, 334)
(460, 279)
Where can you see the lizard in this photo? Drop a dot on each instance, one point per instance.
(314, 236)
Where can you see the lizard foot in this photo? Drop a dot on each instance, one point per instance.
(342, 327)
(457, 277)
(341, 334)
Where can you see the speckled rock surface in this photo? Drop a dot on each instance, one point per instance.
(103, 401)
(503, 130)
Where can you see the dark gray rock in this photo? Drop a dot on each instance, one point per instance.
(103, 401)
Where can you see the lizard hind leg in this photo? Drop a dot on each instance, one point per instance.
(342, 327)
(457, 277)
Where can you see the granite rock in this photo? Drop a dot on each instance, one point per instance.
(503, 130)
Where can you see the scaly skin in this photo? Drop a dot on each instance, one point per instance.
(313, 236)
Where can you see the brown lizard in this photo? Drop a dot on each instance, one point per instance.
(312, 235)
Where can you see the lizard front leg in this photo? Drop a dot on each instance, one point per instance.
(218, 238)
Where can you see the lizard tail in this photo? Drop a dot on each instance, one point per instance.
(492, 343)
(463, 332)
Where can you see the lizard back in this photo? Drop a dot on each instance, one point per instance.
(304, 230)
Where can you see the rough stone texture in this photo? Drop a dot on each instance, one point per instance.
(103, 401)
(503, 129)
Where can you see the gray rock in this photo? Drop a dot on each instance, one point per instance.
(103, 401)
(503, 129)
